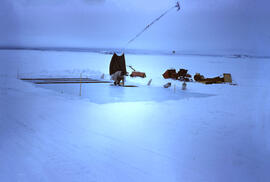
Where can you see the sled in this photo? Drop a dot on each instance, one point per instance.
(124, 85)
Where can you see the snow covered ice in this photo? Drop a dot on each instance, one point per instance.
(207, 133)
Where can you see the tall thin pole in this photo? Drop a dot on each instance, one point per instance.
(81, 84)
(154, 21)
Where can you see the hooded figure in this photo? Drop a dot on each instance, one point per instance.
(118, 68)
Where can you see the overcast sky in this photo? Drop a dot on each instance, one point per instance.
(209, 25)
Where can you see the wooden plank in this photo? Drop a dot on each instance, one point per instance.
(58, 79)
(67, 82)
(129, 86)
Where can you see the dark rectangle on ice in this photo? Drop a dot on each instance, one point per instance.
(68, 82)
(63, 80)
(59, 79)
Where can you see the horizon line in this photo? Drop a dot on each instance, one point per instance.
(130, 51)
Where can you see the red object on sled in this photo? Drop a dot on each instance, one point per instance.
(138, 74)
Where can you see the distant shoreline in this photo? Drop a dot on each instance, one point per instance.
(132, 51)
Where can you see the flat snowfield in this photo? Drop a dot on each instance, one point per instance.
(207, 133)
